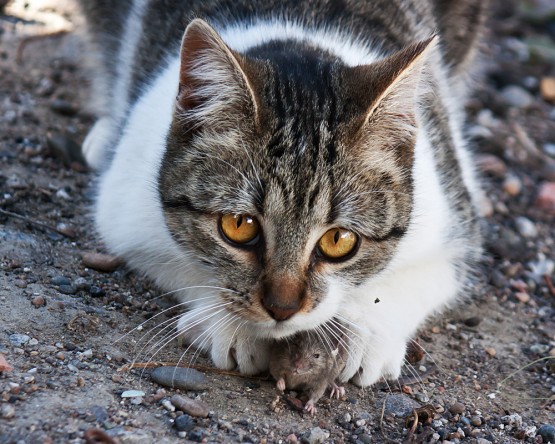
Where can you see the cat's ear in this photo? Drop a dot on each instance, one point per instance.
(213, 86)
(387, 91)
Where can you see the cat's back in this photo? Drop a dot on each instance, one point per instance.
(150, 31)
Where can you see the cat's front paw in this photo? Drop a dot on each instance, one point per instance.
(248, 355)
(374, 359)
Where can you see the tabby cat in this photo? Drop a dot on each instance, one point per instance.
(288, 166)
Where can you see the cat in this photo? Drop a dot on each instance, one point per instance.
(288, 166)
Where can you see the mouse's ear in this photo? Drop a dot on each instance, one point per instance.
(335, 352)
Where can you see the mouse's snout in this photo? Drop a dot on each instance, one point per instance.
(300, 364)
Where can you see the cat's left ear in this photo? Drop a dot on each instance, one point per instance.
(387, 91)
(213, 85)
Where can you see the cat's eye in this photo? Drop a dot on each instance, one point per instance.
(337, 243)
(239, 229)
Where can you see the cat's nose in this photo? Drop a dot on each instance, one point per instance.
(281, 313)
(283, 298)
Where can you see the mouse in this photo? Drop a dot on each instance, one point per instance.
(308, 362)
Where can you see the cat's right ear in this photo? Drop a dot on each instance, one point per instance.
(213, 86)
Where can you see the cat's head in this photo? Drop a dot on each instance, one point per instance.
(288, 173)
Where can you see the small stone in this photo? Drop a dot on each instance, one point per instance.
(33, 342)
(67, 289)
(399, 405)
(474, 321)
(292, 439)
(81, 283)
(346, 418)
(522, 297)
(101, 262)
(512, 185)
(19, 340)
(517, 97)
(490, 164)
(96, 292)
(526, 227)
(482, 441)
(546, 197)
(4, 365)
(65, 149)
(547, 432)
(38, 301)
(421, 397)
(66, 230)
(63, 107)
(491, 351)
(7, 411)
(132, 394)
(549, 149)
(184, 423)
(547, 88)
(166, 403)
(457, 408)
(315, 436)
(60, 280)
(476, 421)
(179, 377)
(190, 406)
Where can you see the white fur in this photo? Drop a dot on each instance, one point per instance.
(419, 280)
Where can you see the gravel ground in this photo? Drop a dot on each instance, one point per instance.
(488, 371)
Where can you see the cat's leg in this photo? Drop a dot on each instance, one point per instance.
(96, 144)
(379, 328)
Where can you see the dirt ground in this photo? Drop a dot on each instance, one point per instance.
(488, 374)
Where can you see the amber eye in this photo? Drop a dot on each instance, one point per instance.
(239, 229)
(337, 243)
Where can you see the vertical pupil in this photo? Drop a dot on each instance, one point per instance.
(336, 236)
(239, 221)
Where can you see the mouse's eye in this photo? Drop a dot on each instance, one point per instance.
(316, 355)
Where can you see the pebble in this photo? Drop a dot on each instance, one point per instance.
(526, 227)
(81, 283)
(19, 340)
(60, 280)
(547, 432)
(292, 439)
(476, 421)
(522, 296)
(517, 96)
(346, 418)
(549, 149)
(365, 438)
(166, 403)
(7, 411)
(38, 301)
(482, 441)
(101, 262)
(399, 405)
(96, 292)
(491, 351)
(490, 164)
(63, 107)
(546, 197)
(512, 185)
(547, 88)
(191, 406)
(315, 436)
(184, 423)
(512, 420)
(4, 365)
(67, 289)
(179, 377)
(65, 149)
(473, 321)
(132, 394)
(421, 397)
(457, 408)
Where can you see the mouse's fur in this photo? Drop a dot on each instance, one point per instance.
(310, 363)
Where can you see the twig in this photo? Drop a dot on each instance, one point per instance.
(202, 368)
(414, 424)
(33, 222)
(518, 370)
(549, 284)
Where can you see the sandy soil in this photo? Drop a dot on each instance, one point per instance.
(488, 371)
